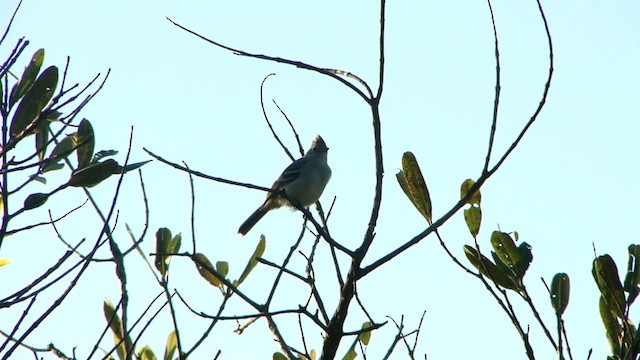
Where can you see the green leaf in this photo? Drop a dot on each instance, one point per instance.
(402, 181)
(34, 101)
(605, 273)
(61, 151)
(489, 269)
(163, 239)
(253, 261)
(42, 140)
(560, 289)
(85, 142)
(417, 187)
(206, 270)
(222, 268)
(464, 189)
(473, 218)
(38, 178)
(350, 355)
(28, 77)
(116, 327)
(172, 345)
(365, 336)
(35, 200)
(632, 279)
(94, 174)
(613, 328)
(279, 356)
(145, 353)
(507, 252)
(501, 265)
(130, 167)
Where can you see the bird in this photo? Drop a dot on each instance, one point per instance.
(303, 182)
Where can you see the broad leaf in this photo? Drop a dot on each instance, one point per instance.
(365, 336)
(473, 218)
(605, 273)
(507, 251)
(163, 240)
(417, 187)
(560, 289)
(253, 261)
(28, 77)
(65, 147)
(34, 101)
(85, 142)
(464, 189)
(172, 345)
(206, 270)
(94, 174)
(35, 200)
(632, 279)
(489, 269)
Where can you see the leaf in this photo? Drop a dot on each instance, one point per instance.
(35, 200)
(253, 261)
(365, 336)
(560, 289)
(473, 218)
(489, 269)
(112, 317)
(116, 327)
(163, 238)
(85, 142)
(613, 328)
(94, 174)
(4, 262)
(279, 356)
(204, 270)
(61, 151)
(464, 189)
(42, 140)
(402, 181)
(507, 252)
(222, 268)
(28, 77)
(34, 101)
(145, 353)
(130, 167)
(632, 279)
(605, 273)
(350, 355)
(172, 345)
(417, 187)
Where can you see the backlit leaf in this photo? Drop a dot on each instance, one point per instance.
(34, 101)
(417, 187)
(94, 174)
(85, 142)
(253, 261)
(560, 289)
(28, 77)
(204, 270)
(489, 269)
(605, 273)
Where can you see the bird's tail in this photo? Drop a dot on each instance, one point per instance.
(252, 220)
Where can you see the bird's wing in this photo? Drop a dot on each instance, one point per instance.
(289, 174)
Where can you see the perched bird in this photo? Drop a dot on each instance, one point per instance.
(302, 181)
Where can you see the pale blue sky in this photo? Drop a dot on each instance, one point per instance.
(570, 183)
